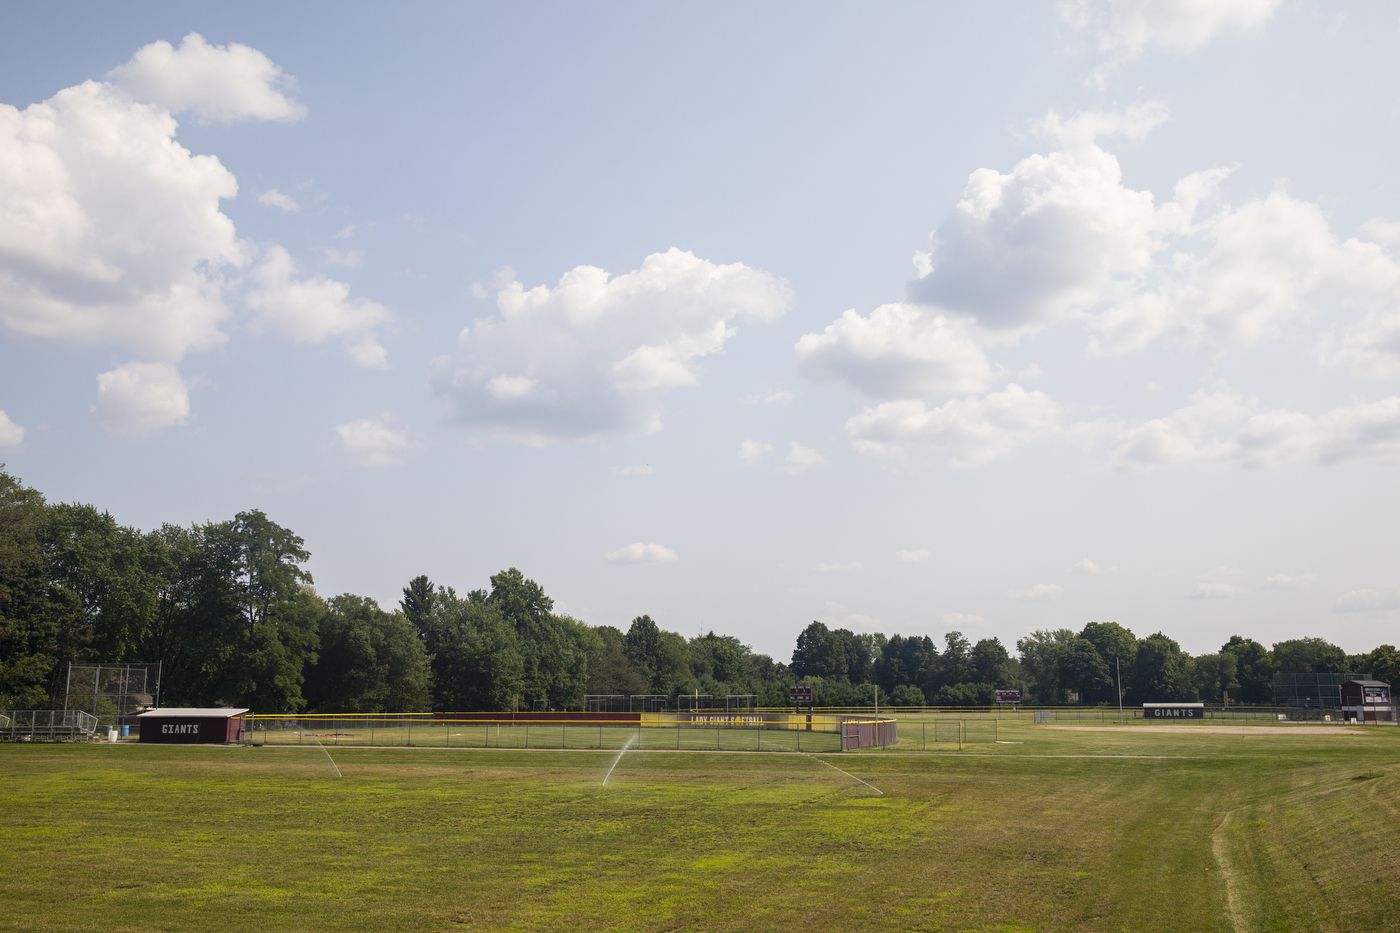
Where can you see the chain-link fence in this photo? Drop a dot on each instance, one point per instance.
(422, 732)
(114, 693)
(946, 733)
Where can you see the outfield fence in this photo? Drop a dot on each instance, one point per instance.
(716, 731)
(1258, 715)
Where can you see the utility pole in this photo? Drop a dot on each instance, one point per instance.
(1118, 672)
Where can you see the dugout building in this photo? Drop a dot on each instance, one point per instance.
(191, 726)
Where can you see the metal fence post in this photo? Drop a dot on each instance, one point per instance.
(923, 736)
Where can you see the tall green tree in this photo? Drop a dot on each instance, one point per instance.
(100, 592)
(1117, 646)
(1215, 676)
(28, 636)
(1082, 669)
(417, 603)
(1042, 663)
(1383, 663)
(611, 669)
(1308, 656)
(368, 660)
(643, 647)
(992, 664)
(1254, 670)
(475, 655)
(1160, 671)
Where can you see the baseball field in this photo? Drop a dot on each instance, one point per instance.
(1060, 827)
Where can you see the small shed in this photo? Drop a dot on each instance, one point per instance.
(192, 725)
(1367, 701)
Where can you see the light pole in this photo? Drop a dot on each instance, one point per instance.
(1118, 673)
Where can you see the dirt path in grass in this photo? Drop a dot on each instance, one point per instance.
(1219, 847)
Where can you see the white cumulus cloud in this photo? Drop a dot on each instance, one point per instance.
(970, 431)
(898, 351)
(752, 453)
(600, 350)
(1050, 240)
(1282, 581)
(957, 621)
(773, 397)
(641, 553)
(315, 309)
(1370, 599)
(1207, 590)
(913, 555)
(141, 398)
(283, 202)
(800, 459)
(1221, 425)
(111, 231)
(373, 441)
(11, 434)
(1061, 238)
(1089, 567)
(1127, 28)
(214, 83)
(1039, 592)
(1251, 272)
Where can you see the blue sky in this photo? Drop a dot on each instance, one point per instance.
(913, 317)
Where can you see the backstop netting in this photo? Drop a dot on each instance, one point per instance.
(1311, 690)
(112, 692)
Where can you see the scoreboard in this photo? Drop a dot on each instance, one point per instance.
(801, 695)
(1008, 696)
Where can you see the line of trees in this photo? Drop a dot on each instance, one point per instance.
(229, 611)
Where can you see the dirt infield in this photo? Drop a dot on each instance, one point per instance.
(1280, 729)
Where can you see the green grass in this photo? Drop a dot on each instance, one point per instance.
(1066, 830)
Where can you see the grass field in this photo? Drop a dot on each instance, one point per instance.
(1053, 828)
